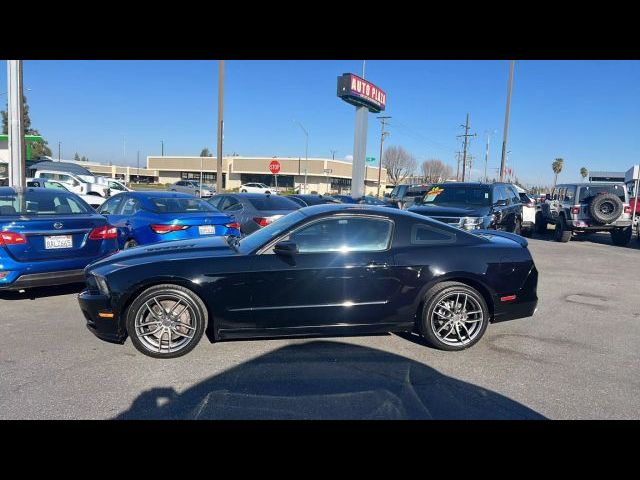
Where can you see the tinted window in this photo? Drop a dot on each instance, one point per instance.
(273, 202)
(180, 205)
(344, 235)
(231, 204)
(110, 207)
(588, 192)
(216, 201)
(515, 197)
(427, 235)
(459, 194)
(42, 202)
(261, 237)
(131, 206)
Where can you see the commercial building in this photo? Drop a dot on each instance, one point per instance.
(323, 175)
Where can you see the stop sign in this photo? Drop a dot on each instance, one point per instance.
(274, 166)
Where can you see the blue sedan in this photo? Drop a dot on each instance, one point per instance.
(149, 217)
(48, 237)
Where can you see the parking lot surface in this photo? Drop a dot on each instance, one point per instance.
(577, 358)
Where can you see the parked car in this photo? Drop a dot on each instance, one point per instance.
(310, 200)
(323, 270)
(257, 188)
(48, 236)
(528, 214)
(366, 200)
(74, 183)
(193, 187)
(473, 206)
(93, 200)
(253, 210)
(115, 186)
(150, 217)
(587, 208)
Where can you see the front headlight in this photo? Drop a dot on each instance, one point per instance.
(102, 285)
(472, 223)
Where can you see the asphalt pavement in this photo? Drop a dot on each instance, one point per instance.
(577, 358)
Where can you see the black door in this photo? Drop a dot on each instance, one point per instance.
(343, 276)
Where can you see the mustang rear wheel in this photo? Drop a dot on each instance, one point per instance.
(166, 321)
(455, 316)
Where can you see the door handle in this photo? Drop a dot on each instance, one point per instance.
(377, 265)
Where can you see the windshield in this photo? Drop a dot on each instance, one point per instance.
(588, 192)
(180, 205)
(458, 194)
(42, 202)
(260, 237)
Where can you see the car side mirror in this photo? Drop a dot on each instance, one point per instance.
(501, 203)
(286, 248)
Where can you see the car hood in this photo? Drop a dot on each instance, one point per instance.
(171, 250)
(450, 210)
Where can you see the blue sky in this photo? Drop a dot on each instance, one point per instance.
(584, 111)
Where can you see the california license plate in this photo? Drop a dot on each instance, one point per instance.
(59, 241)
(206, 229)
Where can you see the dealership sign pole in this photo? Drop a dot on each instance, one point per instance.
(366, 97)
(16, 125)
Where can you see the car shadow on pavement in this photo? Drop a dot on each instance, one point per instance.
(41, 292)
(328, 380)
(601, 238)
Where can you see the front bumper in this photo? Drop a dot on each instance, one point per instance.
(108, 329)
(16, 281)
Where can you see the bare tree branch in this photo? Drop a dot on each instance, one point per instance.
(399, 164)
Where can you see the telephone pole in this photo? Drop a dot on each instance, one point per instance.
(506, 120)
(486, 159)
(333, 154)
(383, 134)
(220, 126)
(458, 161)
(466, 144)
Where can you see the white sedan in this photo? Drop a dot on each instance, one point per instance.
(257, 188)
(94, 200)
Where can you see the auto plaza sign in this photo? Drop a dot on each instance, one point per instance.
(357, 91)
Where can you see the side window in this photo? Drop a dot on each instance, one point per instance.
(344, 235)
(216, 201)
(232, 205)
(498, 194)
(110, 207)
(131, 206)
(554, 194)
(515, 196)
(561, 194)
(422, 234)
(570, 194)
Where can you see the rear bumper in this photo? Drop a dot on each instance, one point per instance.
(525, 303)
(32, 280)
(107, 329)
(584, 226)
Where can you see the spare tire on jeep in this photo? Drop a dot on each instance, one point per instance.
(605, 208)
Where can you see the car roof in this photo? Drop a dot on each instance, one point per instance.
(49, 191)
(158, 194)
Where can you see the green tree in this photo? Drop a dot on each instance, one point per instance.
(38, 149)
(83, 159)
(584, 172)
(206, 153)
(76, 157)
(556, 166)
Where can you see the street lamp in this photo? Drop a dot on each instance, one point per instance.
(306, 153)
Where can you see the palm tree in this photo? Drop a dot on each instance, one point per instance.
(584, 172)
(557, 165)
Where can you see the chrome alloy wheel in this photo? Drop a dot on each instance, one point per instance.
(165, 323)
(457, 319)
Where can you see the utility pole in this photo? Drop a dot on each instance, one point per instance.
(138, 160)
(333, 154)
(162, 144)
(220, 125)
(306, 154)
(506, 120)
(466, 144)
(59, 149)
(15, 120)
(458, 161)
(486, 159)
(383, 134)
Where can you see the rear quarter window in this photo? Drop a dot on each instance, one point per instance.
(422, 234)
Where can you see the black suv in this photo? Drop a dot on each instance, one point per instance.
(587, 207)
(473, 206)
(403, 196)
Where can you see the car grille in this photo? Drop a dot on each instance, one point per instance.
(455, 221)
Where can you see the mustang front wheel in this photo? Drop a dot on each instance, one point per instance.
(166, 321)
(455, 316)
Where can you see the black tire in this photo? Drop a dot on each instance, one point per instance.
(517, 227)
(440, 292)
(243, 191)
(562, 233)
(267, 192)
(130, 244)
(605, 208)
(197, 312)
(541, 224)
(621, 236)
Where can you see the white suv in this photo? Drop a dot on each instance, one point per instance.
(257, 188)
(74, 183)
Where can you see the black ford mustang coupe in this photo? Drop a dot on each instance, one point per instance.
(324, 270)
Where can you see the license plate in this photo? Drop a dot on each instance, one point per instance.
(59, 241)
(206, 229)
